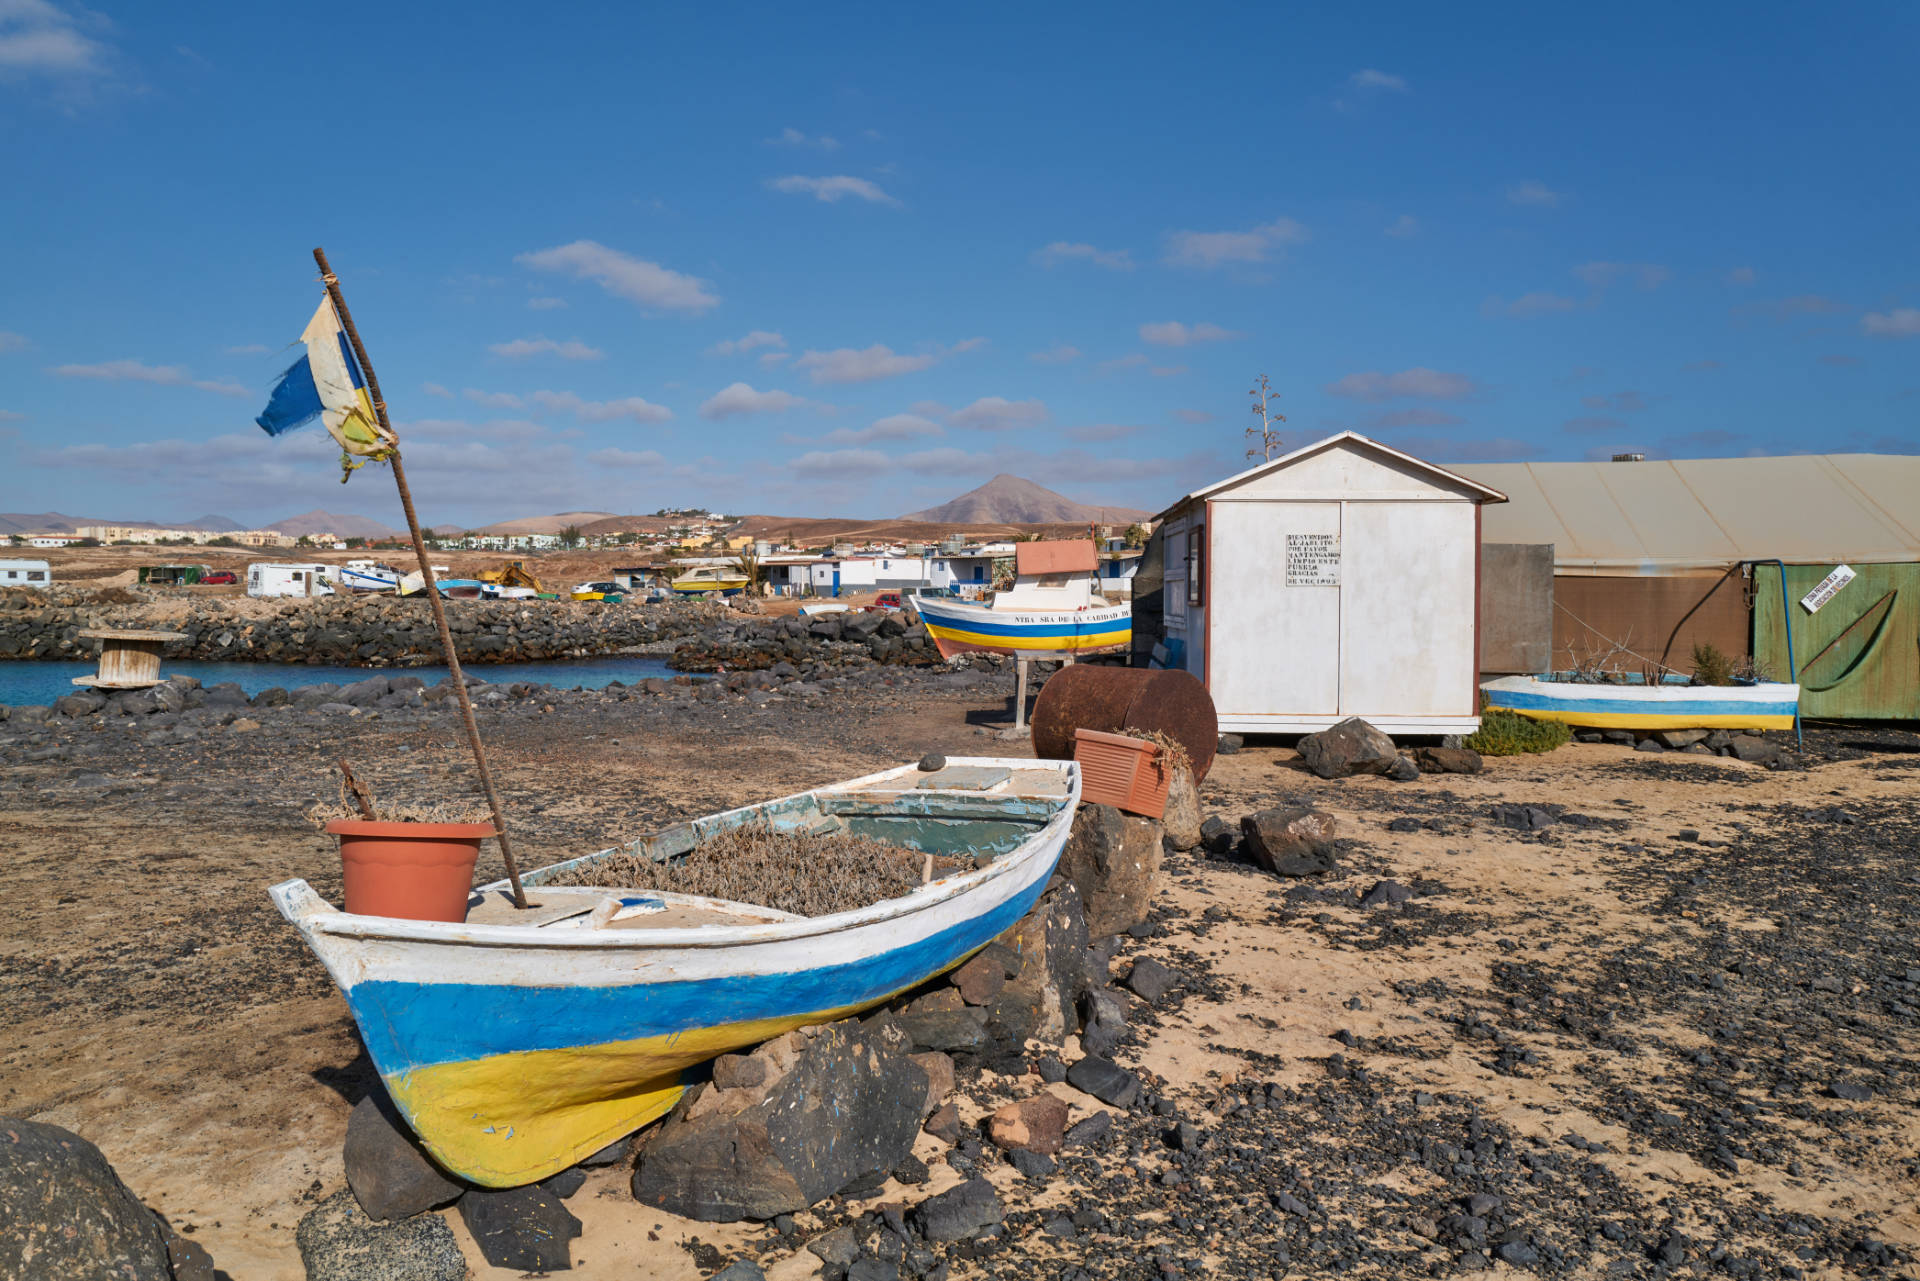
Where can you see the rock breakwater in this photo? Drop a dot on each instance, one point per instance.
(372, 631)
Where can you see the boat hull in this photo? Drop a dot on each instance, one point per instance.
(1769, 705)
(960, 628)
(514, 1052)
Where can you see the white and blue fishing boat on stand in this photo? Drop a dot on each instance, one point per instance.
(1054, 609)
(521, 1040)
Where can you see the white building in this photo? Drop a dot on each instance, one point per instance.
(1340, 580)
(52, 540)
(265, 579)
(24, 573)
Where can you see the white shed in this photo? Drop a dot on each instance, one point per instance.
(1340, 580)
(264, 579)
(24, 573)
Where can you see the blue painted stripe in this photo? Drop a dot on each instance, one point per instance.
(983, 628)
(295, 401)
(1642, 706)
(408, 1025)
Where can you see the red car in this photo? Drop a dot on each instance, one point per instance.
(224, 578)
(885, 601)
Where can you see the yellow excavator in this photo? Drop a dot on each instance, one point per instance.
(514, 574)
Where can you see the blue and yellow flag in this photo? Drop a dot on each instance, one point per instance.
(326, 383)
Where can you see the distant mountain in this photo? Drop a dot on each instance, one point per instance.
(1014, 500)
(324, 522)
(44, 522)
(215, 524)
(543, 524)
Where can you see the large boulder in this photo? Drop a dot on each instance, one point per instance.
(1449, 760)
(1050, 967)
(389, 1173)
(525, 1229)
(1114, 861)
(834, 1106)
(65, 1214)
(1181, 818)
(1290, 842)
(1351, 747)
(338, 1242)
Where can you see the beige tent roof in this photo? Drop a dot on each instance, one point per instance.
(1685, 513)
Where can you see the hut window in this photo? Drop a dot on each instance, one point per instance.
(35, 575)
(1196, 565)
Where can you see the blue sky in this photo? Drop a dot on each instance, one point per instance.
(856, 260)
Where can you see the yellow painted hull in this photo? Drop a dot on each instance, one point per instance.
(1650, 721)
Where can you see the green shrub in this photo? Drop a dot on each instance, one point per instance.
(1505, 733)
(1710, 666)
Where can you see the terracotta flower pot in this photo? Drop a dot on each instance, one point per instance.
(1129, 773)
(418, 871)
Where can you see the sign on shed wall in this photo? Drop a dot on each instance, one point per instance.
(1313, 560)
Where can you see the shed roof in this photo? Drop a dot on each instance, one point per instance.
(1695, 512)
(1064, 556)
(1442, 475)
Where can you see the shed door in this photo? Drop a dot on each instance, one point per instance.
(1408, 631)
(1274, 649)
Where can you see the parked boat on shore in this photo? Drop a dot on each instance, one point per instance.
(1053, 610)
(1762, 705)
(709, 580)
(518, 1042)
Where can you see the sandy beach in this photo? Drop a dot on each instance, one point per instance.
(1633, 1015)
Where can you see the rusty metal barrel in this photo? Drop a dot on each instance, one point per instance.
(1125, 700)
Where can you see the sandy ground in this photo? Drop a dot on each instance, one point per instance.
(159, 1007)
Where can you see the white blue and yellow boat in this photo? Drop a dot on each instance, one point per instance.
(1763, 705)
(958, 627)
(518, 1042)
(1053, 609)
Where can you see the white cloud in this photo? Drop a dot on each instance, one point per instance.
(571, 349)
(1648, 275)
(1419, 382)
(435, 389)
(135, 371)
(1534, 193)
(544, 303)
(831, 190)
(10, 341)
(1901, 322)
(757, 338)
(1534, 304)
(1742, 276)
(997, 413)
(768, 359)
(892, 427)
(1206, 249)
(1067, 251)
(627, 458)
(791, 137)
(636, 280)
(1171, 333)
(739, 398)
(635, 408)
(1058, 354)
(828, 462)
(1369, 78)
(37, 37)
(864, 365)
(1404, 226)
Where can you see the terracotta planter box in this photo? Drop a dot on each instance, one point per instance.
(1128, 773)
(416, 871)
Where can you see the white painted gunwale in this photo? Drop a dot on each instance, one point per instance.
(1764, 692)
(306, 909)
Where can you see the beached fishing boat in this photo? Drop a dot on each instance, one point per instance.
(367, 576)
(1763, 705)
(518, 1042)
(1054, 609)
(708, 580)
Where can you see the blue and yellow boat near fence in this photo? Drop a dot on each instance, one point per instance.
(518, 1042)
(1764, 705)
(958, 627)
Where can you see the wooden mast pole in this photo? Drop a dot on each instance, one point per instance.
(426, 573)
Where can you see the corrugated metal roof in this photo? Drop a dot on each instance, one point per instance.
(1683, 513)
